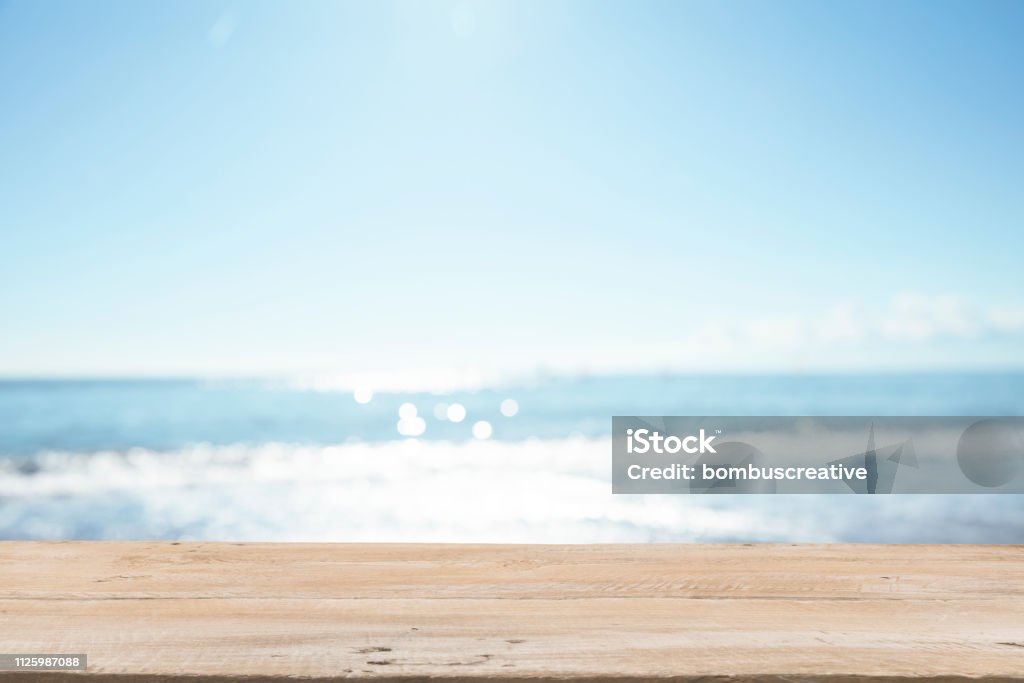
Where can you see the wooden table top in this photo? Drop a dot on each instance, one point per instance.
(146, 611)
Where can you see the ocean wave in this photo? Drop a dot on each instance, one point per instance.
(556, 490)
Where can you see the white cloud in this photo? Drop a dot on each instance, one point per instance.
(776, 332)
(914, 318)
(909, 328)
(917, 317)
(839, 324)
(1006, 320)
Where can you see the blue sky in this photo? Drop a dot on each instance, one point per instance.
(253, 187)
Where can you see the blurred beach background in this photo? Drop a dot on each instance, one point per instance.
(384, 271)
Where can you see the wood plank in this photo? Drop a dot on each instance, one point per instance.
(148, 611)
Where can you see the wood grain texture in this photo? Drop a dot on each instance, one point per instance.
(219, 611)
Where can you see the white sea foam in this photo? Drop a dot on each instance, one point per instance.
(481, 491)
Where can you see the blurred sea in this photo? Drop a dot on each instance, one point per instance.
(274, 460)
